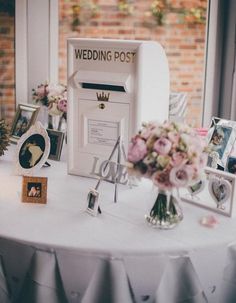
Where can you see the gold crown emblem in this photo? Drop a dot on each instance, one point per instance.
(103, 96)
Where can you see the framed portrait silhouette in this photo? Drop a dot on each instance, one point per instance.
(32, 150)
(24, 118)
(221, 138)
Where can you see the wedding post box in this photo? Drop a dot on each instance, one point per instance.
(113, 86)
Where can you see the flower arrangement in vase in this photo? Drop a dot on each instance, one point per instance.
(54, 97)
(172, 155)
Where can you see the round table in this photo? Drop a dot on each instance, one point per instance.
(57, 252)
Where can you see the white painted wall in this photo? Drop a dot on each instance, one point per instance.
(36, 45)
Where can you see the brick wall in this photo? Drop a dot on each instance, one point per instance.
(181, 36)
(7, 64)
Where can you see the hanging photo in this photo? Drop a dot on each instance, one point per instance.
(221, 138)
(56, 143)
(32, 150)
(34, 190)
(24, 118)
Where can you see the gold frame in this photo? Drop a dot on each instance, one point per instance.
(29, 199)
(30, 108)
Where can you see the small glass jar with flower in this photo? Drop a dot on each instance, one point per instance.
(172, 155)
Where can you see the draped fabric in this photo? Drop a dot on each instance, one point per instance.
(69, 276)
(4, 291)
(43, 281)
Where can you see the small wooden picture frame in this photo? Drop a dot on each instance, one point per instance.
(34, 190)
(24, 118)
(56, 142)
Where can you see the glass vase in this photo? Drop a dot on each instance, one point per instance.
(166, 212)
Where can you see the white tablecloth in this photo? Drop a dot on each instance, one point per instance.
(58, 253)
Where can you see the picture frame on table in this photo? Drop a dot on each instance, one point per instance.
(34, 190)
(25, 117)
(56, 144)
(231, 165)
(32, 150)
(216, 192)
(92, 200)
(221, 138)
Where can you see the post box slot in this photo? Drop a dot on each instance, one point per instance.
(96, 86)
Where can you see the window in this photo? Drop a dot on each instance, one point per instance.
(179, 26)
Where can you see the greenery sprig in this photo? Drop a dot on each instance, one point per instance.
(4, 137)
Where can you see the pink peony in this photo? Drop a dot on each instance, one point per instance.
(161, 179)
(179, 176)
(162, 146)
(137, 149)
(178, 158)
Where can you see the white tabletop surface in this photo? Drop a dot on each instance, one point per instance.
(121, 227)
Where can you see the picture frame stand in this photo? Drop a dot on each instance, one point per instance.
(120, 149)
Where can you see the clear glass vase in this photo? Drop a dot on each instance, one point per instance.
(166, 212)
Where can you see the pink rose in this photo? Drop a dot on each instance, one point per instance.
(137, 149)
(179, 176)
(162, 146)
(161, 179)
(62, 105)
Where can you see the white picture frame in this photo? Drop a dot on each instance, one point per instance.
(217, 193)
(92, 200)
(32, 150)
(221, 138)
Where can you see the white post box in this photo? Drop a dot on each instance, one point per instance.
(113, 86)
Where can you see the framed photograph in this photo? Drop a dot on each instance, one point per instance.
(215, 192)
(56, 142)
(32, 150)
(231, 165)
(24, 118)
(34, 190)
(221, 138)
(92, 200)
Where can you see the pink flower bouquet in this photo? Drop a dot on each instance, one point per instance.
(172, 155)
(54, 96)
